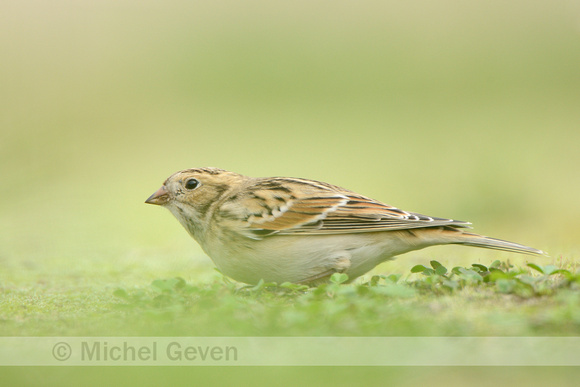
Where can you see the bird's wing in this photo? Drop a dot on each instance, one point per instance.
(290, 206)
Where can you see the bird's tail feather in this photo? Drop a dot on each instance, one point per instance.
(476, 240)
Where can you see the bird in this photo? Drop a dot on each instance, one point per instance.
(284, 229)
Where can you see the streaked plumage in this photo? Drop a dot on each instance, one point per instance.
(298, 230)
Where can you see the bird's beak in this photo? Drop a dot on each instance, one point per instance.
(160, 197)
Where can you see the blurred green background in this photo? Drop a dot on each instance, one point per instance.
(468, 110)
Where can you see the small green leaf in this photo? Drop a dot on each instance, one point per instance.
(536, 267)
(435, 264)
(418, 269)
(563, 272)
(338, 278)
(394, 278)
(439, 268)
(428, 271)
(497, 274)
(375, 279)
(456, 270)
(495, 264)
(479, 266)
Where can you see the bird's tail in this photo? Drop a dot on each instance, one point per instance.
(469, 239)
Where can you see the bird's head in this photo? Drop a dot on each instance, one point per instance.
(190, 194)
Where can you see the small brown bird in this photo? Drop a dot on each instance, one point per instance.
(288, 229)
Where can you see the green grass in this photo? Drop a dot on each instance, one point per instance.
(501, 300)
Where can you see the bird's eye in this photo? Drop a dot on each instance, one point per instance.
(192, 184)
